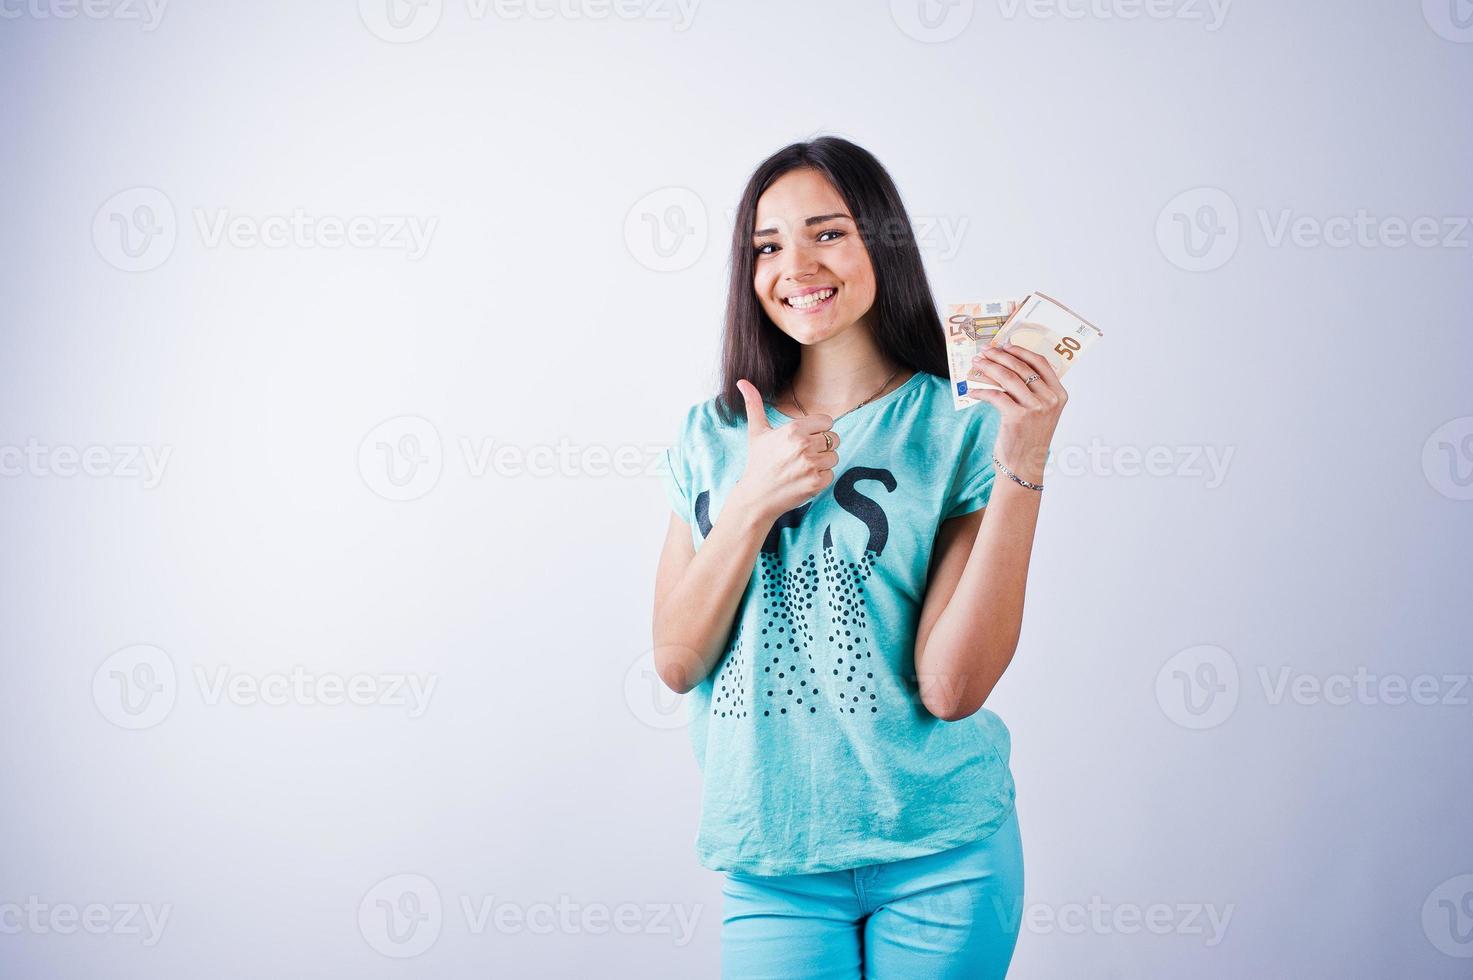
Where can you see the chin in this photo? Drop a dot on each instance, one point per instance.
(807, 331)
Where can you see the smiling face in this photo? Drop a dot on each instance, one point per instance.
(812, 273)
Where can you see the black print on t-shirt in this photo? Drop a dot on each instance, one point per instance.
(799, 671)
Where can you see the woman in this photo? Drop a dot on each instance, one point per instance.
(834, 601)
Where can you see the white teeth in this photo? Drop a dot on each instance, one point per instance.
(809, 299)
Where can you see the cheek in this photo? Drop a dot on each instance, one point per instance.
(858, 274)
(762, 284)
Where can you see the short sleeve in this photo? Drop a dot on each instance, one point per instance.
(673, 479)
(675, 475)
(977, 491)
(975, 472)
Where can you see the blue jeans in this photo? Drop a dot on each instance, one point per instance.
(954, 913)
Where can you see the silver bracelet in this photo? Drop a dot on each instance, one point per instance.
(1013, 476)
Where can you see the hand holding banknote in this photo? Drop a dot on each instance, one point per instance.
(1011, 354)
(1028, 395)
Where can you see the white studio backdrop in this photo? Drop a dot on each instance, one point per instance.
(340, 344)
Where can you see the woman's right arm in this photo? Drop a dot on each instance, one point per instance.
(697, 592)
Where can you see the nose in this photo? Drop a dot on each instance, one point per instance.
(799, 263)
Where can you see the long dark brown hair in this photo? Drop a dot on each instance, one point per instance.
(907, 327)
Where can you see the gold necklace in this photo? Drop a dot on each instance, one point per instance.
(794, 393)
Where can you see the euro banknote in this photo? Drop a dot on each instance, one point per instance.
(969, 328)
(1036, 323)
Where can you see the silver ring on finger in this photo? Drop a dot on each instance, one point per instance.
(828, 441)
(1030, 379)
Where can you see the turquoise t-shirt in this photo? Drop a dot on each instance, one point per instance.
(816, 751)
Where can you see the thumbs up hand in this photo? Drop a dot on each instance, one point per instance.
(786, 465)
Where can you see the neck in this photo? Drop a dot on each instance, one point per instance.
(836, 375)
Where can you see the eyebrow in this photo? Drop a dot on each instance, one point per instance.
(807, 222)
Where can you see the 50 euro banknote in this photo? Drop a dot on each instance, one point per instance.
(1036, 323)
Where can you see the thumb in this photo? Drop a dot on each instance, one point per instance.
(992, 397)
(756, 414)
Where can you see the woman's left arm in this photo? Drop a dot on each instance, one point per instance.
(973, 610)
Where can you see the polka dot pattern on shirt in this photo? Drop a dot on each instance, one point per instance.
(801, 673)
